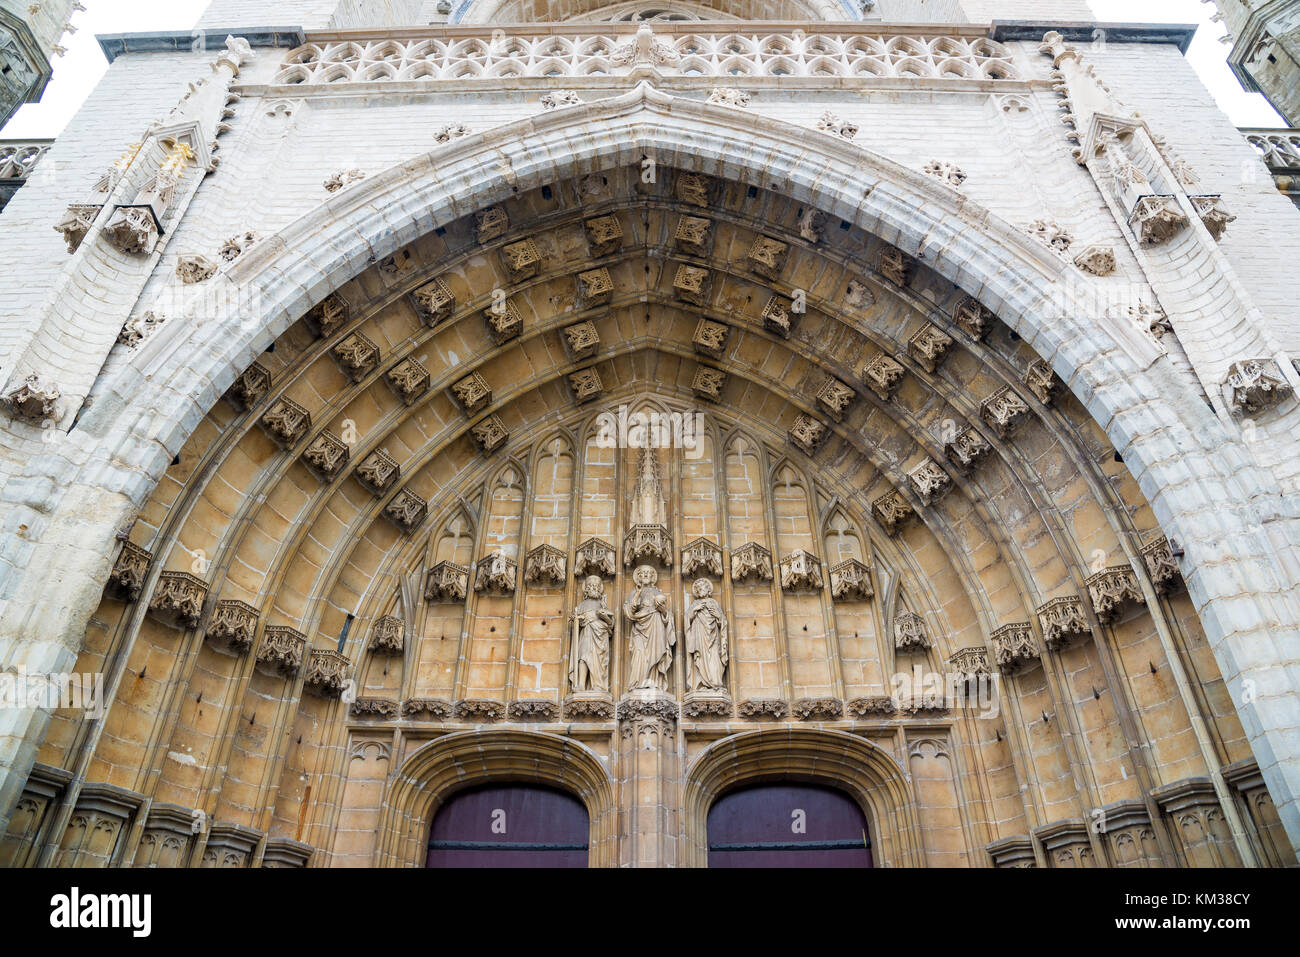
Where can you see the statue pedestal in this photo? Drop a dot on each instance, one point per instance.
(647, 779)
(707, 704)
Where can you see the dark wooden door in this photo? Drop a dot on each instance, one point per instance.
(512, 825)
(788, 825)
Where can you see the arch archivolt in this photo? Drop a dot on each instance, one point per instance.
(315, 553)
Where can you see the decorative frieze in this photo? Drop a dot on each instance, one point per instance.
(434, 301)
(882, 375)
(808, 434)
(851, 581)
(250, 388)
(446, 583)
(585, 384)
(129, 570)
(388, 637)
(892, 511)
(533, 709)
(973, 318)
(928, 346)
(694, 235)
(894, 265)
(489, 434)
(659, 709)
(1062, 621)
(479, 709)
(407, 510)
(604, 235)
(408, 379)
(491, 223)
(966, 450)
(751, 562)
(178, 598)
(946, 172)
(910, 633)
(472, 393)
(1162, 565)
(594, 557)
(378, 472)
(708, 383)
(1013, 646)
(522, 260)
(36, 400)
(495, 574)
(504, 321)
(434, 709)
(326, 456)
(835, 397)
(327, 317)
(773, 708)
(373, 708)
(1255, 385)
(818, 709)
(545, 565)
(801, 571)
(702, 557)
(1113, 590)
(357, 356)
(326, 674)
(234, 622)
(767, 257)
(1041, 381)
(777, 317)
(706, 707)
(691, 284)
(579, 708)
(711, 338)
(282, 648)
(929, 480)
(1004, 411)
(871, 706)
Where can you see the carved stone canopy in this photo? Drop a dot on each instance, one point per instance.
(434, 301)
(586, 384)
(544, 565)
(909, 632)
(928, 346)
(178, 598)
(490, 223)
(694, 235)
(694, 188)
(778, 316)
(388, 637)
(495, 574)
(1004, 411)
(893, 511)
(250, 388)
(594, 557)
(807, 434)
(691, 284)
(471, 393)
(1113, 590)
(973, 317)
(326, 456)
(286, 422)
(801, 571)
(882, 375)
(711, 338)
(702, 557)
(1062, 621)
(647, 543)
(751, 561)
(767, 256)
(1041, 381)
(581, 340)
(966, 449)
(408, 379)
(604, 235)
(1255, 385)
(521, 260)
(327, 317)
(1162, 565)
(504, 321)
(36, 399)
(894, 265)
(489, 434)
(971, 664)
(835, 397)
(377, 472)
(327, 673)
(929, 480)
(356, 355)
(234, 622)
(446, 582)
(1013, 646)
(282, 648)
(595, 287)
(709, 383)
(851, 581)
(129, 570)
(406, 510)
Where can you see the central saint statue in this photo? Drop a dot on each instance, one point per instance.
(651, 636)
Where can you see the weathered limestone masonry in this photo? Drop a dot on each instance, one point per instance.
(328, 347)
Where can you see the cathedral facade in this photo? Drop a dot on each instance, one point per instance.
(704, 433)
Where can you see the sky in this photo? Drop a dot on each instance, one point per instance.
(77, 72)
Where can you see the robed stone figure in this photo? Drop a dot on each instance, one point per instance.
(593, 626)
(651, 634)
(706, 641)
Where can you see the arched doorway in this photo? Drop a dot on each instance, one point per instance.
(510, 825)
(788, 825)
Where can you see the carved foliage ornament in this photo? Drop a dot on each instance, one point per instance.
(489, 434)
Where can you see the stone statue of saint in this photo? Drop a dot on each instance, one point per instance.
(651, 635)
(706, 641)
(593, 625)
